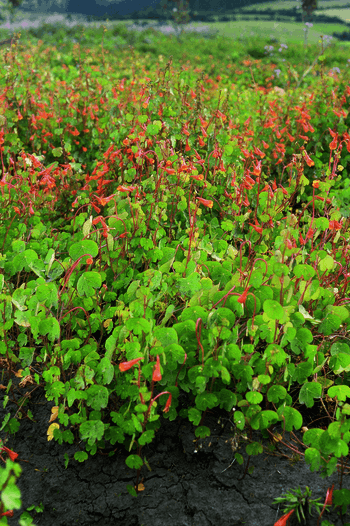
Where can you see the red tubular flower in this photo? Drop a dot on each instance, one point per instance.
(243, 296)
(329, 496)
(198, 177)
(7, 514)
(283, 520)
(167, 405)
(125, 366)
(334, 225)
(308, 160)
(156, 372)
(10, 453)
(328, 501)
(205, 202)
(257, 227)
(122, 188)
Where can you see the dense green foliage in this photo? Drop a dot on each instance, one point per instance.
(176, 225)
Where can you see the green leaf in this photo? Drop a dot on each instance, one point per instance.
(276, 393)
(239, 419)
(264, 419)
(134, 461)
(275, 355)
(333, 445)
(146, 437)
(80, 456)
(256, 279)
(273, 310)
(222, 317)
(302, 371)
(202, 432)
(86, 246)
(166, 336)
(255, 448)
(138, 325)
(330, 324)
(339, 363)
(228, 399)
(233, 353)
(313, 457)
(194, 416)
(312, 437)
(51, 327)
(57, 152)
(254, 397)
(341, 497)
(206, 401)
(193, 313)
(92, 430)
(136, 422)
(308, 392)
(11, 496)
(322, 223)
(304, 271)
(292, 417)
(342, 392)
(326, 263)
(87, 283)
(340, 311)
(97, 396)
(190, 285)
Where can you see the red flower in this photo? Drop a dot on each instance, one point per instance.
(7, 514)
(10, 453)
(257, 227)
(334, 225)
(122, 188)
(309, 161)
(156, 373)
(205, 202)
(125, 366)
(328, 501)
(329, 496)
(243, 297)
(167, 405)
(283, 520)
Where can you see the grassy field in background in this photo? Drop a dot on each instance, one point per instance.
(284, 32)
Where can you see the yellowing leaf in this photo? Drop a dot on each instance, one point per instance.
(51, 430)
(54, 411)
(19, 373)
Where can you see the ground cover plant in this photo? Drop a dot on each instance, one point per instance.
(176, 223)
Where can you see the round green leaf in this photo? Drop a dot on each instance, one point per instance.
(88, 282)
(276, 393)
(254, 397)
(273, 310)
(292, 417)
(308, 392)
(86, 246)
(134, 461)
(342, 392)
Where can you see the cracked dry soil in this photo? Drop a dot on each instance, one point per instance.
(183, 488)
